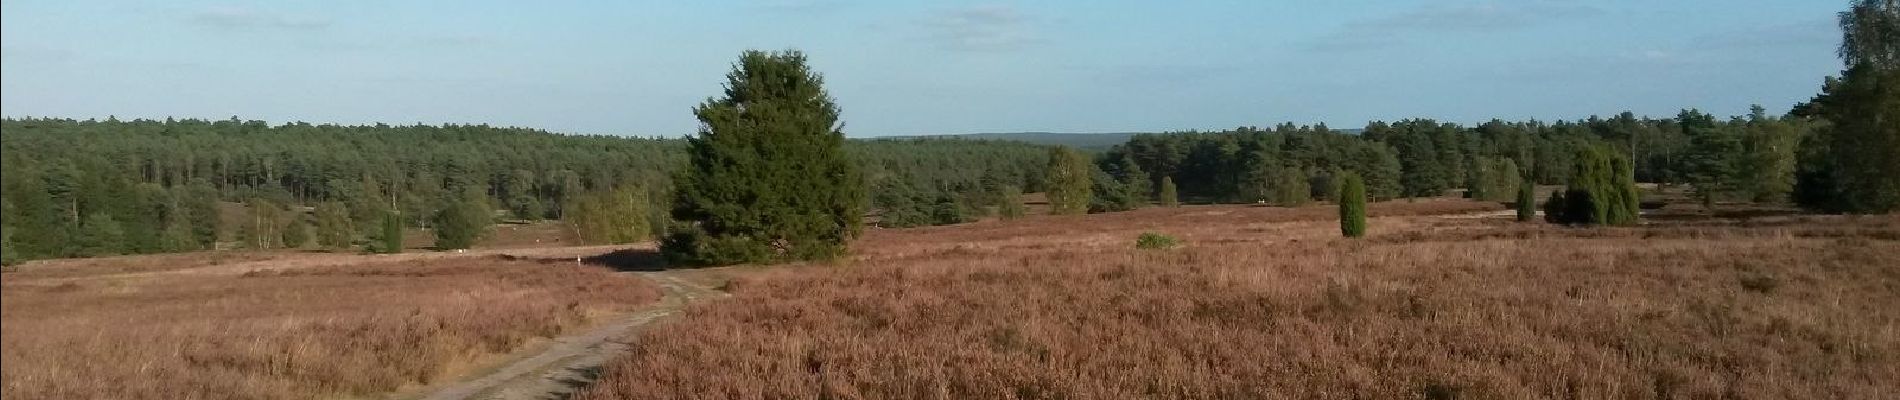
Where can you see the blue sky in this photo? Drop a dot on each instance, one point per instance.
(913, 67)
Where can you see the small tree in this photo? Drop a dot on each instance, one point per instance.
(1010, 202)
(1526, 201)
(1169, 197)
(388, 240)
(100, 235)
(296, 233)
(462, 223)
(1070, 186)
(1555, 207)
(1352, 206)
(608, 217)
(334, 228)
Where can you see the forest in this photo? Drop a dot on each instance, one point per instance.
(76, 188)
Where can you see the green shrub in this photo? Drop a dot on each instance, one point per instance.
(1352, 206)
(1154, 241)
(1526, 202)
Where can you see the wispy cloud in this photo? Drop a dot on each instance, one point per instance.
(1479, 17)
(803, 6)
(981, 28)
(246, 18)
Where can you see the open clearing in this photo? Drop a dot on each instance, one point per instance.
(1269, 303)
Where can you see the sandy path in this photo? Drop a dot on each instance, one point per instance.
(574, 361)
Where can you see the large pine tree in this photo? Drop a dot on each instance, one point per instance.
(769, 179)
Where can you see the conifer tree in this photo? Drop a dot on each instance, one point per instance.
(768, 179)
(388, 240)
(1352, 206)
(296, 233)
(1526, 201)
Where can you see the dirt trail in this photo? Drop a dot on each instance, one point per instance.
(574, 361)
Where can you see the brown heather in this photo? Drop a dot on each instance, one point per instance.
(108, 329)
(1268, 303)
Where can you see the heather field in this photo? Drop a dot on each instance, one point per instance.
(285, 325)
(1444, 300)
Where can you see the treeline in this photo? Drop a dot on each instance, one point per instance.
(87, 188)
(1743, 157)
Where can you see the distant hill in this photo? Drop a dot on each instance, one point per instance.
(1082, 141)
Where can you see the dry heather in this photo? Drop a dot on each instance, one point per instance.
(1428, 307)
(304, 332)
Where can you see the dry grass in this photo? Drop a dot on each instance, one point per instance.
(1267, 303)
(299, 332)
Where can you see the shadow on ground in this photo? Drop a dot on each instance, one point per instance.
(625, 260)
(630, 260)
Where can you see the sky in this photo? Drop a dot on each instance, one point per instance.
(913, 67)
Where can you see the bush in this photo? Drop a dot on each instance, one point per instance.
(462, 223)
(1554, 207)
(1155, 241)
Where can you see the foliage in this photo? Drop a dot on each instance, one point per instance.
(462, 223)
(1010, 202)
(1601, 191)
(1848, 166)
(1711, 164)
(616, 216)
(1352, 206)
(388, 239)
(1526, 202)
(1111, 194)
(1156, 241)
(1556, 207)
(1070, 181)
(264, 228)
(768, 179)
(1169, 196)
(100, 235)
(296, 233)
(334, 229)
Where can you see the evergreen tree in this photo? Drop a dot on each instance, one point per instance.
(1526, 201)
(1851, 166)
(1556, 207)
(1168, 196)
(768, 179)
(1107, 194)
(461, 223)
(388, 239)
(1712, 158)
(1601, 191)
(296, 233)
(1070, 181)
(100, 235)
(335, 229)
(1352, 206)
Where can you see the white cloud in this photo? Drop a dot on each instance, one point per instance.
(245, 18)
(1487, 16)
(981, 28)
